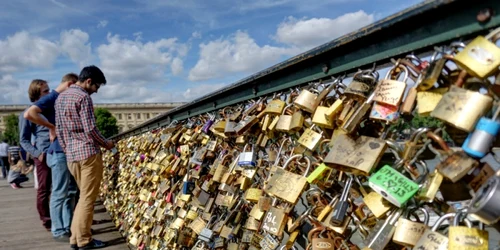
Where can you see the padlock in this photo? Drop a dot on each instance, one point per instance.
(350, 124)
(246, 123)
(456, 164)
(481, 57)
(208, 124)
(486, 201)
(430, 187)
(480, 176)
(377, 204)
(285, 120)
(340, 210)
(432, 239)
(187, 184)
(462, 108)
(413, 144)
(321, 119)
(247, 159)
(287, 185)
(229, 129)
(309, 101)
(382, 233)
(323, 241)
(297, 121)
(409, 232)
(361, 85)
(460, 237)
(479, 142)
(310, 138)
(355, 156)
(275, 106)
(393, 186)
(390, 91)
(274, 221)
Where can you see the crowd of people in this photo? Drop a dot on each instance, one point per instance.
(59, 133)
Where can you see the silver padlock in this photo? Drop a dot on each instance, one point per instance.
(206, 233)
(383, 231)
(486, 201)
(247, 158)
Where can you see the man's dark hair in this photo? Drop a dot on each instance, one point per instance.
(93, 73)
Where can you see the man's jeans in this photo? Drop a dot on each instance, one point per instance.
(63, 194)
(4, 161)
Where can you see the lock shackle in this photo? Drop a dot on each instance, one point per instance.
(414, 70)
(298, 157)
(174, 122)
(245, 148)
(392, 70)
(286, 108)
(417, 134)
(459, 216)
(494, 34)
(439, 140)
(287, 139)
(423, 210)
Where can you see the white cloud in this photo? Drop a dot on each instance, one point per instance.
(126, 60)
(201, 90)
(308, 33)
(196, 35)
(176, 66)
(22, 50)
(75, 43)
(102, 24)
(13, 90)
(238, 53)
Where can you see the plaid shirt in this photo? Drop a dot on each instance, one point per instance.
(76, 126)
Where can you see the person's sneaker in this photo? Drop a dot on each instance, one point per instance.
(74, 246)
(14, 186)
(19, 186)
(93, 244)
(62, 238)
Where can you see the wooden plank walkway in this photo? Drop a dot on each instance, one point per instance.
(20, 227)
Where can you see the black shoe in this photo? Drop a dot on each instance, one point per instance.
(74, 246)
(62, 238)
(93, 244)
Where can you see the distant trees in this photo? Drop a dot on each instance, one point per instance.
(106, 122)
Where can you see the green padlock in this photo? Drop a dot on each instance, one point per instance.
(393, 186)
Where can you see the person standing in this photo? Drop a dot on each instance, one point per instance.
(81, 140)
(28, 130)
(63, 186)
(4, 158)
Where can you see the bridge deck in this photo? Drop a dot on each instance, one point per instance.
(20, 227)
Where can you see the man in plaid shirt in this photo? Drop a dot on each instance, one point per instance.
(81, 141)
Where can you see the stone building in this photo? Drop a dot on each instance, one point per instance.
(127, 115)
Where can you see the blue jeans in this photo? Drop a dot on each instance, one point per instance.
(62, 200)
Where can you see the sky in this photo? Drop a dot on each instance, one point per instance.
(166, 50)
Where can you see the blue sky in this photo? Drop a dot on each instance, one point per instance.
(166, 50)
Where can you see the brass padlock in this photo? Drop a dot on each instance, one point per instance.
(285, 120)
(309, 101)
(428, 100)
(287, 185)
(390, 91)
(358, 156)
(481, 57)
(409, 232)
(457, 164)
(310, 138)
(275, 106)
(462, 108)
(460, 237)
